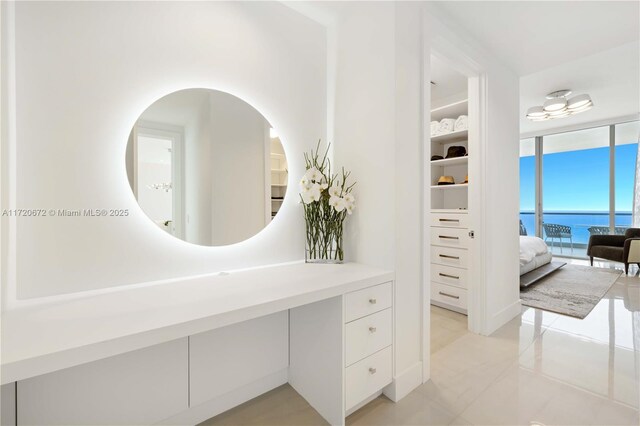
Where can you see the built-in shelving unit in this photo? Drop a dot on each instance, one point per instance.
(279, 176)
(449, 218)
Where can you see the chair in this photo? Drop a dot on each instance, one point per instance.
(604, 230)
(618, 248)
(523, 230)
(553, 231)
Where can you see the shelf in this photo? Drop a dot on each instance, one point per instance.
(281, 185)
(453, 110)
(457, 211)
(277, 199)
(277, 155)
(278, 170)
(456, 186)
(460, 135)
(450, 161)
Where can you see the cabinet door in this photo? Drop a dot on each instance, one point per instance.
(8, 406)
(139, 387)
(231, 357)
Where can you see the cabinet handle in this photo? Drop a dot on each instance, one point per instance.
(449, 295)
(449, 220)
(449, 257)
(448, 276)
(373, 301)
(372, 370)
(372, 329)
(446, 237)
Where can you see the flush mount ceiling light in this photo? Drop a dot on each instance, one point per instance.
(557, 106)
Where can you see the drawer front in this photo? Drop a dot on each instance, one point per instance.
(368, 376)
(367, 336)
(450, 295)
(449, 275)
(452, 220)
(450, 237)
(367, 301)
(449, 256)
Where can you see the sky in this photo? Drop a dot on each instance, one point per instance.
(579, 180)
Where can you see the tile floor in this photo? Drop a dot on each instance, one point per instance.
(539, 369)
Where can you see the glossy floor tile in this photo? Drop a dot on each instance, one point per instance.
(541, 368)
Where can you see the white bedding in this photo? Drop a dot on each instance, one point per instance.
(533, 254)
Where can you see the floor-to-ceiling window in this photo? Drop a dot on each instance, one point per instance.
(587, 182)
(528, 186)
(575, 188)
(626, 149)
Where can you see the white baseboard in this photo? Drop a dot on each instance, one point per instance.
(404, 382)
(503, 317)
(206, 410)
(362, 404)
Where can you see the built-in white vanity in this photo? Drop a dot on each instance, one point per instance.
(182, 351)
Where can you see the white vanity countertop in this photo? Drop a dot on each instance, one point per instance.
(45, 338)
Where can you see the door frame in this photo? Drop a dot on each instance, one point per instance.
(478, 127)
(176, 134)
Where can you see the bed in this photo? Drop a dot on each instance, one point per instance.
(533, 254)
(535, 260)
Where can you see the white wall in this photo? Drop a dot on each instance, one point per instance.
(72, 123)
(378, 137)
(238, 134)
(197, 177)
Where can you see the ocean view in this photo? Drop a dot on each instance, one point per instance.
(580, 222)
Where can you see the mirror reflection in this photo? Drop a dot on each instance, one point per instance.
(206, 167)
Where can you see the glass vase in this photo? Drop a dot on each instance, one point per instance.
(325, 248)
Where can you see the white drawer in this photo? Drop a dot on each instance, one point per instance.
(367, 336)
(368, 376)
(367, 301)
(449, 256)
(449, 295)
(449, 275)
(450, 237)
(453, 220)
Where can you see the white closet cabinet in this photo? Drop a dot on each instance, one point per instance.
(139, 387)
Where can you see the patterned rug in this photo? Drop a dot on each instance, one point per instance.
(573, 290)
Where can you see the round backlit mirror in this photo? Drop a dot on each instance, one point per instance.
(206, 167)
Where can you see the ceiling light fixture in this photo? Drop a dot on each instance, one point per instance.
(558, 106)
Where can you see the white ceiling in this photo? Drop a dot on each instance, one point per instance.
(611, 78)
(530, 36)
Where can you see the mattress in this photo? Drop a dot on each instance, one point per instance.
(533, 254)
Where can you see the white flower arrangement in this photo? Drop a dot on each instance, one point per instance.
(327, 200)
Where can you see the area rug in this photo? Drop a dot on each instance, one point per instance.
(573, 290)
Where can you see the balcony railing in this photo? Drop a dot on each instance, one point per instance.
(580, 226)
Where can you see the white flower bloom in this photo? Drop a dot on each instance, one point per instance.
(324, 185)
(340, 204)
(313, 174)
(350, 207)
(310, 196)
(335, 191)
(305, 184)
(350, 199)
(333, 201)
(315, 194)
